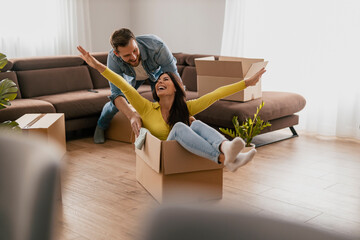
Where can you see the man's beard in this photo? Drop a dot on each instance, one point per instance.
(136, 62)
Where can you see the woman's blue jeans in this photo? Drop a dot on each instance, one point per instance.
(199, 139)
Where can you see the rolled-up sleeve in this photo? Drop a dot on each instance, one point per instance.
(115, 91)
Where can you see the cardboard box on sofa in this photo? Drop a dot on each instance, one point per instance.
(51, 126)
(120, 128)
(212, 74)
(171, 173)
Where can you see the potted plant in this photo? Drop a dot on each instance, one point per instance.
(249, 129)
(8, 92)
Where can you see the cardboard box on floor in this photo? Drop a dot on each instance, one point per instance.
(212, 74)
(120, 128)
(171, 173)
(50, 126)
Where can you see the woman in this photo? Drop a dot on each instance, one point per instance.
(169, 117)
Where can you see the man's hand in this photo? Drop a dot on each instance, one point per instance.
(135, 121)
(254, 79)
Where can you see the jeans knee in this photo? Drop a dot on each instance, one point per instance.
(176, 129)
(179, 126)
(197, 124)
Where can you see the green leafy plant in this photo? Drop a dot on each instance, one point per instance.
(3, 61)
(8, 92)
(249, 129)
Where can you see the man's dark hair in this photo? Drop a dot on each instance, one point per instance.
(179, 111)
(121, 38)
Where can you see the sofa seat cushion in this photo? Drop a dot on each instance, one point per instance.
(20, 107)
(277, 105)
(78, 103)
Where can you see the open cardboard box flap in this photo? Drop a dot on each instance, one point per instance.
(170, 157)
(225, 66)
(50, 126)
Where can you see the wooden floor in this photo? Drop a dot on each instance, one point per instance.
(309, 179)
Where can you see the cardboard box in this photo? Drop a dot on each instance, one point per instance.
(120, 129)
(212, 74)
(51, 126)
(171, 173)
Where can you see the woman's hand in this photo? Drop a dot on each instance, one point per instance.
(254, 79)
(90, 60)
(191, 119)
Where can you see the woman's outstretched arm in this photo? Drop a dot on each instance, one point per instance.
(90, 60)
(197, 105)
(140, 103)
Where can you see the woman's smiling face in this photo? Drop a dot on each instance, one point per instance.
(165, 86)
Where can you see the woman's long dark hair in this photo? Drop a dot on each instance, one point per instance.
(179, 111)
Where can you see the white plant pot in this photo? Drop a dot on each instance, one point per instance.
(247, 149)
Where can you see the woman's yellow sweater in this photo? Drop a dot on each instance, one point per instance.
(150, 112)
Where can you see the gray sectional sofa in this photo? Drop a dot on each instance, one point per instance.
(65, 84)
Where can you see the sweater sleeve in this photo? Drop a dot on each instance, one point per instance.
(140, 103)
(197, 105)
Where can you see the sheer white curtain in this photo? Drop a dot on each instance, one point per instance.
(44, 27)
(313, 48)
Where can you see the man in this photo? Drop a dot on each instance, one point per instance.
(135, 59)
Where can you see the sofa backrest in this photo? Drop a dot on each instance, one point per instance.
(51, 75)
(34, 83)
(186, 68)
(97, 79)
(23, 64)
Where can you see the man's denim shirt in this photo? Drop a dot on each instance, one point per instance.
(155, 57)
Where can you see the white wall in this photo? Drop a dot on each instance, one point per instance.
(105, 17)
(189, 26)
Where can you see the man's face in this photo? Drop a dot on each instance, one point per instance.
(129, 53)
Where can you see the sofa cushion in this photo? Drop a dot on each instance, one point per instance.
(180, 58)
(7, 67)
(190, 59)
(20, 107)
(34, 83)
(180, 69)
(101, 56)
(189, 78)
(78, 104)
(277, 105)
(98, 80)
(12, 76)
(22, 64)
